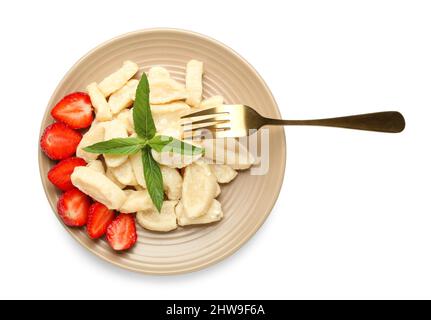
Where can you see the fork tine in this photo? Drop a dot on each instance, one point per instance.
(216, 134)
(223, 134)
(206, 112)
(192, 135)
(218, 126)
(206, 125)
(204, 134)
(205, 121)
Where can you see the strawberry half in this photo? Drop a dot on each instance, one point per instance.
(121, 233)
(73, 207)
(59, 141)
(75, 110)
(59, 175)
(99, 218)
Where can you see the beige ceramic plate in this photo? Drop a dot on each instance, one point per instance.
(246, 202)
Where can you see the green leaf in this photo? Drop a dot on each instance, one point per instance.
(169, 144)
(117, 146)
(142, 117)
(158, 142)
(153, 178)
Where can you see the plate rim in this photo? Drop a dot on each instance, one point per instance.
(237, 245)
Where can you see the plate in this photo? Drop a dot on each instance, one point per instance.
(246, 202)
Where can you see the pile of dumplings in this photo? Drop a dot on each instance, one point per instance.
(191, 183)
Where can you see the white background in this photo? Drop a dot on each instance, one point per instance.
(353, 219)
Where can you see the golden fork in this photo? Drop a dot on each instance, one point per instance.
(228, 121)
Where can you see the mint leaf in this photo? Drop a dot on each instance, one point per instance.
(142, 117)
(117, 146)
(170, 144)
(158, 142)
(153, 178)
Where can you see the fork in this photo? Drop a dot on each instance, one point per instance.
(229, 121)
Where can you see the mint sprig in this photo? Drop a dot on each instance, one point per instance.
(170, 144)
(142, 117)
(153, 178)
(118, 146)
(147, 139)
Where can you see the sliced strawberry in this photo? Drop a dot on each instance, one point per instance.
(59, 141)
(73, 207)
(121, 233)
(99, 218)
(59, 175)
(75, 110)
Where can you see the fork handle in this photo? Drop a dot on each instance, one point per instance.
(389, 121)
